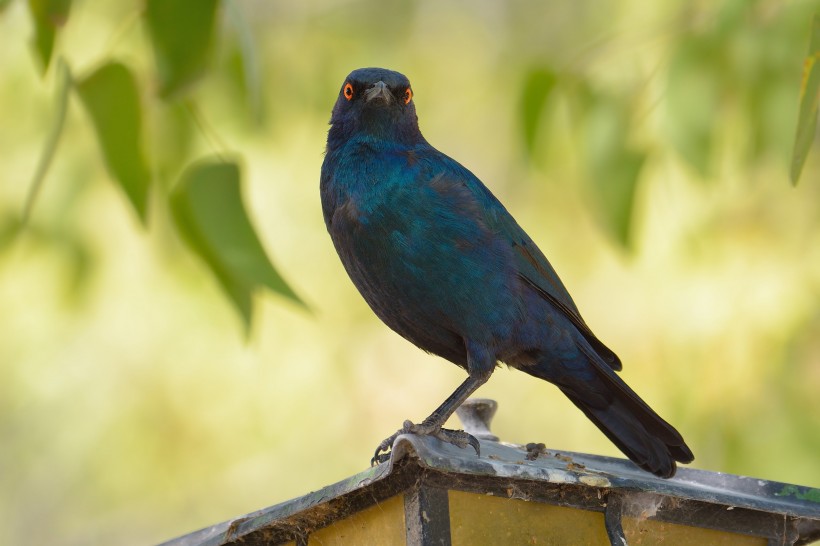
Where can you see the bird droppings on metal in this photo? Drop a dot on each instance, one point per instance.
(594, 481)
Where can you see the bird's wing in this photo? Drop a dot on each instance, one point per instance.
(533, 266)
(536, 270)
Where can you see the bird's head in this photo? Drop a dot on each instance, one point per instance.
(375, 103)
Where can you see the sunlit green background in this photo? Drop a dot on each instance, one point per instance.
(654, 174)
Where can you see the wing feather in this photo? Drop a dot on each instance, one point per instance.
(533, 267)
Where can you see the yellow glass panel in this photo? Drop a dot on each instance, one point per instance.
(482, 519)
(648, 532)
(379, 524)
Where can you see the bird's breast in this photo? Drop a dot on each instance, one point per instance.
(423, 260)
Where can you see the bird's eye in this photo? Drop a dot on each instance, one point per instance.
(408, 95)
(348, 92)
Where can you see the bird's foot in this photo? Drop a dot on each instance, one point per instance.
(457, 438)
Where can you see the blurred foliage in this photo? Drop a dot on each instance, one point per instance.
(48, 17)
(647, 148)
(111, 97)
(809, 98)
(209, 190)
(536, 90)
(182, 36)
(614, 165)
(63, 89)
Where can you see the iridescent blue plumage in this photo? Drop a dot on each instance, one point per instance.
(440, 260)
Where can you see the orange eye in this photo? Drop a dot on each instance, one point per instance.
(408, 95)
(348, 92)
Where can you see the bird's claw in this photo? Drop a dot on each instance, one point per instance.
(458, 438)
(387, 447)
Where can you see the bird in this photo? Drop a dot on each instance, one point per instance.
(442, 262)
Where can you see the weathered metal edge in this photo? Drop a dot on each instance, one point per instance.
(509, 460)
(501, 460)
(231, 530)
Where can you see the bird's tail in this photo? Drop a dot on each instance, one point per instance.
(648, 440)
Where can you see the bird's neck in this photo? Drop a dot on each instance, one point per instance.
(376, 136)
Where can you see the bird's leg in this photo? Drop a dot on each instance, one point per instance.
(432, 425)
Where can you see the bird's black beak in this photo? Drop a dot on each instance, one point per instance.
(379, 91)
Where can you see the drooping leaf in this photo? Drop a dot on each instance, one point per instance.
(182, 33)
(208, 210)
(111, 97)
(615, 183)
(809, 98)
(535, 93)
(48, 16)
(248, 60)
(693, 101)
(63, 87)
(614, 166)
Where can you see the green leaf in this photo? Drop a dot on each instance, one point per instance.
(48, 15)
(182, 33)
(248, 60)
(615, 182)
(614, 167)
(537, 87)
(111, 97)
(809, 97)
(4, 4)
(208, 210)
(63, 86)
(693, 101)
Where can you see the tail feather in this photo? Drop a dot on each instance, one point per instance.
(643, 436)
(632, 436)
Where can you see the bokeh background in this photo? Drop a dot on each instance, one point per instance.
(644, 146)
